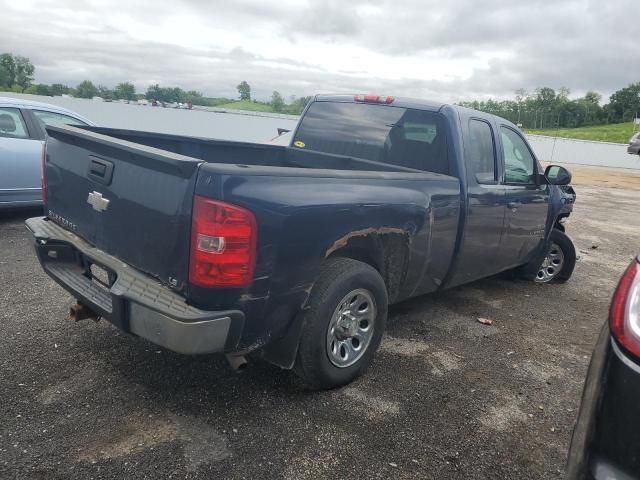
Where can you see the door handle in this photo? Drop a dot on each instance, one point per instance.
(100, 170)
(513, 205)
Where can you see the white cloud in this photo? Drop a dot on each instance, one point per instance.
(423, 48)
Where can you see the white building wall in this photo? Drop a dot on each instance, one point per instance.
(585, 152)
(261, 127)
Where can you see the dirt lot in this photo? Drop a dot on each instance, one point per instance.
(603, 177)
(447, 397)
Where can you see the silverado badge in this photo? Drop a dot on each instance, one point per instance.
(97, 201)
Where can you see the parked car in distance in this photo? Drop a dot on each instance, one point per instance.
(22, 133)
(634, 145)
(294, 252)
(606, 437)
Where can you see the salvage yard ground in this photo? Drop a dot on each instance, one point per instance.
(447, 397)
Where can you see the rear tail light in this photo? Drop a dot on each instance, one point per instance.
(624, 316)
(43, 172)
(373, 99)
(223, 244)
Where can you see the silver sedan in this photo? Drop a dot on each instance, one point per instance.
(22, 136)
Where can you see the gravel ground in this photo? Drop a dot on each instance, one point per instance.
(447, 397)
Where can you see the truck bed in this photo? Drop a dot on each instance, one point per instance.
(244, 153)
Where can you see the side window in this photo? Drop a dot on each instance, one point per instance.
(12, 124)
(52, 118)
(518, 161)
(481, 159)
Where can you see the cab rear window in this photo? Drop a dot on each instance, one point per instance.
(398, 136)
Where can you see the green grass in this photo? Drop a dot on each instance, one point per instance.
(247, 105)
(615, 132)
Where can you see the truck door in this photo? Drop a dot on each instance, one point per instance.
(527, 201)
(480, 249)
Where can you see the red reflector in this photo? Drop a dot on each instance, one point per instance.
(373, 99)
(624, 316)
(43, 172)
(223, 244)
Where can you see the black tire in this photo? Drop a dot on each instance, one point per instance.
(338, 278)
(569, 253)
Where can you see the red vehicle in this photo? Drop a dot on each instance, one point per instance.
(606, 438)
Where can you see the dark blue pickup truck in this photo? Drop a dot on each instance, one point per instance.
(295, 252)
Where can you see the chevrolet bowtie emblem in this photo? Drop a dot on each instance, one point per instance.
(97, 201)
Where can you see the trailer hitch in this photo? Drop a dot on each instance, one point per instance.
(80, 311)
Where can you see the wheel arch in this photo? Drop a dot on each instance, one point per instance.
(386, 250)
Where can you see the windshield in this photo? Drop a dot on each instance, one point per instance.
(399, 136)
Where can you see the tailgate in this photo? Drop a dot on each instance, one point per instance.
(129, 200)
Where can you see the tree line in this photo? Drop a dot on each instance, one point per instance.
(17, 73)
(277, 103)
(541, 108)
(548, 108)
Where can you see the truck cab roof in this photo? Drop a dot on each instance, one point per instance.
(397, 101)
(419, 104)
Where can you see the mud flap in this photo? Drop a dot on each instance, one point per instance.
(283, 351)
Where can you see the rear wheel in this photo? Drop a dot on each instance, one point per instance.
(343, 325)
(560, 260)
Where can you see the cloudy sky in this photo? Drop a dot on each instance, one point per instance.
(446, 50)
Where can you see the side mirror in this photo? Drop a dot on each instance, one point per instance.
(557, 175)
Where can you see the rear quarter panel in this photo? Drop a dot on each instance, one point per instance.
(305, 215)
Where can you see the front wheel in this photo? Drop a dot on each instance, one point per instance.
(343, 324)
(560, 260)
